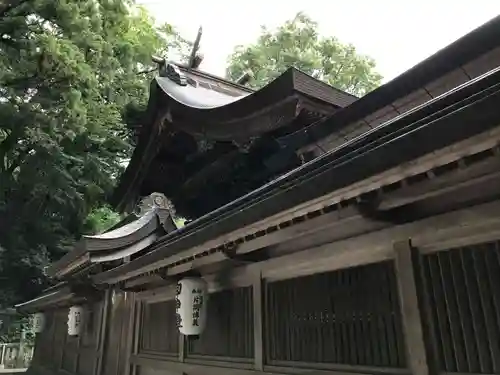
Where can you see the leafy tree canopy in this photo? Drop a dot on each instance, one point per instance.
(68, 68)
(297, 43)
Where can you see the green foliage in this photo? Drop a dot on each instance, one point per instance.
(100, 219)
(297, 43)
(67, 70)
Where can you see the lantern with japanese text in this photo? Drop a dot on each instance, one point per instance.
(75, 320)
(191, 305)
(38, 320)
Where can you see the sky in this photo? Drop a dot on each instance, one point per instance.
(398, 34)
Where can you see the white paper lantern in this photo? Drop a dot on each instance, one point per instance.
(191, 305)
(75, 320)
(38, 322)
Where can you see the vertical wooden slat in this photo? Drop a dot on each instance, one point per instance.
(435, 362)
(358, 329)
(129, 334)
(258, 322)
(365, 314)
(390, 319)
(182, 347)
(477, 315)
(137, 332)
(457, 339)
(375, 341)
(448, 358)
(485, 296)
(333, 320)
(412, 321)
(493, 265)
(464, 312)
(382, 319)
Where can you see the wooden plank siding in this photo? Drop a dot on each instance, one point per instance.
(464, 306)
(56, 352)
(415, 311)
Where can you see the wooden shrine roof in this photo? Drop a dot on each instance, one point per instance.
(193, 137)
(442, 122)
(115, 244)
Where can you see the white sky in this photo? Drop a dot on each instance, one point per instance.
(396, 33)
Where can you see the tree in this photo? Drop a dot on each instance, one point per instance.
(67, 71)
(297, 43)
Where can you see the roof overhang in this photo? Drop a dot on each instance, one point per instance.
(116, 244)
(61, 295)
(423, 131)
(217, 117)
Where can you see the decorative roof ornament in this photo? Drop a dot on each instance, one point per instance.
(172, 72)
(151, 202)
(196, 58)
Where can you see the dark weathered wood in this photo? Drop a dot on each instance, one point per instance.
(412, 320)
(482, 172)
(449, 228)
(328, 318)
(182, 347)
(229, 331)
(150, 366)
(458, 341)
(486, 293)
(258, 322)
(130, 332)
(480, 334)
(464, 313)
(103, 329)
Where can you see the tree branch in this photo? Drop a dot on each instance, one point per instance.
(11, 6)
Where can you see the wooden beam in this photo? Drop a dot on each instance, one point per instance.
(473, 145)
(439, 186)
(377, 246)
(410, 309)
(258, 311)
(154, 366)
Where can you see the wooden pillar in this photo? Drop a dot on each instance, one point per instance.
(129, 333)
(182, 347)
(257, 322)
(102, 332)
(3, 354)
(20, 353)
(412, 321)
(137, 330)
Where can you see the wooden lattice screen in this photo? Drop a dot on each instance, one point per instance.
(229, 330)
(462, 287)
(348, 317)
(159, 331)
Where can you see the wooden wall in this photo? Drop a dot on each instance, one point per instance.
(368, 305)
(55, 351)
(430, 312)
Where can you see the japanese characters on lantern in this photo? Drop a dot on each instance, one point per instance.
(75, 320)
(191, 305)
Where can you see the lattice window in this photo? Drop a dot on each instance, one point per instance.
(463, 298)
(350, 316)
(229, 330)
(159, 331)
